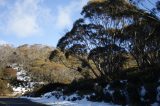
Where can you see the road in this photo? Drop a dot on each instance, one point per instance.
(18, 102)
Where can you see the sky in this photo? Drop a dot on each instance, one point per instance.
(37, 21)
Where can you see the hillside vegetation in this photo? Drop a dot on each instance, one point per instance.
(35, 60)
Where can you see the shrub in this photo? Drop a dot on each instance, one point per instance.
(41, 70)
(119, 98)
(9, 73)
(4, 88)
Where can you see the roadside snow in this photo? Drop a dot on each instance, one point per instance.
(142, 93)
(158, 93)
(19, 90)
(51, 100)
(155, 104)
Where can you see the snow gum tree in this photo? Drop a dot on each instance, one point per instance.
(108, 31)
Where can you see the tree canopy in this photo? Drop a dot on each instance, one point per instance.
(109, 30)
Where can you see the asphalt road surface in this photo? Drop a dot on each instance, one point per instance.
(18, 102)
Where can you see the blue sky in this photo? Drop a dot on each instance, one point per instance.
(37, 21)
(40, 21)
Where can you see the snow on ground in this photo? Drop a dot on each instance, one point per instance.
(106, 89)
(155, 104)
(142, 93)
(51, 100)
(158, 93)
(19, 90)
(22, 76)
(21, 73)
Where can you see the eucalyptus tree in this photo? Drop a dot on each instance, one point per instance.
(109, 29)
(136, 29)
(92, 43)
(79, 41)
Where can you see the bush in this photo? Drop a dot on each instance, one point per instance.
(48, 88)
(9, 73)
(119, 98)
(4, 88)
(51, 72)
(133, 94)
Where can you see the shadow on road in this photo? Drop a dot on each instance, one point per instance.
(18, 102)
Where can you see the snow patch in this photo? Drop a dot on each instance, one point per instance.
(108, 90)
(50, 99)
(25, 84)
(21, 73)
(158, 93)
(142, 93)
(19, 90)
